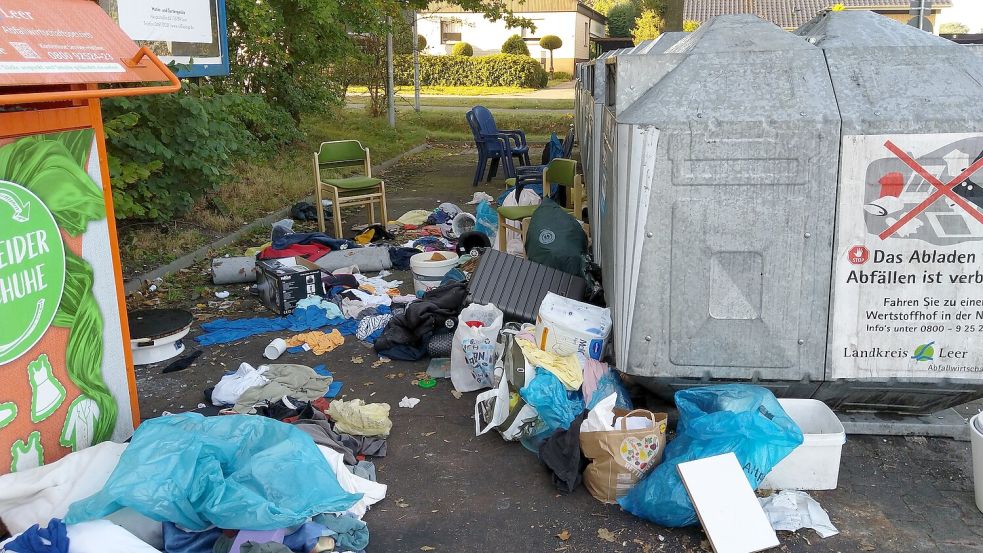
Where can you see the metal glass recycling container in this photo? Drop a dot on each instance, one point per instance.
(722, 168)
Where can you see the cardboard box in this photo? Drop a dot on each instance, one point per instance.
(284, 282)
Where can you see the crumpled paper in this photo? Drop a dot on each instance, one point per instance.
(791, 510)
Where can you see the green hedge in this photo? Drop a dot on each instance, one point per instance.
(494, 70)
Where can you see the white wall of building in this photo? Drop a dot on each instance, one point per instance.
(486, 37)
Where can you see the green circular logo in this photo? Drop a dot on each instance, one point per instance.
(32, 270)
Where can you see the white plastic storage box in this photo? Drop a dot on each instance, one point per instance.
(814, 465)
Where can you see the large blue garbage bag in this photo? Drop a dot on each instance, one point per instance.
(557, 407)
(234, 472)
(746, 420)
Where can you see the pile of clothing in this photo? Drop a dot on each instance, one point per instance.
(188, 484)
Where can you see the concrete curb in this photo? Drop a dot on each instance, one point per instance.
(187, 260)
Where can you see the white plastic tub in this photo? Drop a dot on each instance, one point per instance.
(976, 435)
(427, 273)
(814, 465)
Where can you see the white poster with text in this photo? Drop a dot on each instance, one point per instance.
(908, 272)
(167, 21)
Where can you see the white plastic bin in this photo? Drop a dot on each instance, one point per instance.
(976, 433)
(428, 272)
(814, 465)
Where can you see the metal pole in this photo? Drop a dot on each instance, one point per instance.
(390, 86)
(921, 17)
(416, 66)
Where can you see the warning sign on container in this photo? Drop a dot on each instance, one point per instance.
(908, 278)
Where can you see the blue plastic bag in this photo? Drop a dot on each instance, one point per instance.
(234, 472)
(486, 220)
(609, 384)
(556, 407)
(746, 420)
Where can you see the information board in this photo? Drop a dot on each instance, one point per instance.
(908, 273)
(189, 33)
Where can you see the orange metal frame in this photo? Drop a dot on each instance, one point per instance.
(84, 111)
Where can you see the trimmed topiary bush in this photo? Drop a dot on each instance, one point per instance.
(462, 49)
(494, 70)
(421, 43)
(515, 45)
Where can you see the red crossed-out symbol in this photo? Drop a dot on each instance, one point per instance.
(943, 190)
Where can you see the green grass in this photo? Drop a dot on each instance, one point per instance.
(453, 90)
(403, 101)
(262, 187)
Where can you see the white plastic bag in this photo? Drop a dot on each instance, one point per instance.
(565, 326)
(475, 348)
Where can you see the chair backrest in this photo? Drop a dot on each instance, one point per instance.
(473, 125)
(560, 171)
(568, 143)
(486, 121)
(342, 153)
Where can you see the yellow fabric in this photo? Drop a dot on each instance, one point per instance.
(565, 367)
(251, 252)
(319, 342)
(367, 288)
(365, 238)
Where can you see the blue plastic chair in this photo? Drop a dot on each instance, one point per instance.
(495, 145)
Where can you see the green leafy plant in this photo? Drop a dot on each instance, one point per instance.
(621, 19)
(551, 42)
(462, 49)
(495, 70)
(648, 26)
(421, 43)
(515, 45)
(690, 25)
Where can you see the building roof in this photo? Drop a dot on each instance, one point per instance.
(788, 13)
(529, 6)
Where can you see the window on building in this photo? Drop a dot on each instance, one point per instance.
(450, 31)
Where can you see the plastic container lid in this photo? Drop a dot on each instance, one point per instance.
(427, 383)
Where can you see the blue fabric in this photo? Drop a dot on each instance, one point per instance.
(223, 331)
(371, 338)
(233, 472)
(486, 219)
(319, 369)
(351, 534)
(732, 418)
(556, 407)
(313, 238)
(304, 538)
(333, 389)
(296, 349)
(177, 540)
(400, 257)
(555, 147)
(53, 539)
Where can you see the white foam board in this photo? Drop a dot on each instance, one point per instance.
(726, 505)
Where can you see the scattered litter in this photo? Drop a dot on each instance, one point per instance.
(426, 383)
(275, 349)
(456, 394)
(564, 535)
(409, 402)
(382, 361)
(606, 535)
(166, 413)
(202, 406)
(481, 197)
(428, 548)
(791, 510)
(222, 295)
(358, 360)
(439, 368)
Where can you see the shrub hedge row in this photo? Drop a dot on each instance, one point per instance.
(494, 70)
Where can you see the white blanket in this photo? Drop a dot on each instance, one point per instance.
(373, 492)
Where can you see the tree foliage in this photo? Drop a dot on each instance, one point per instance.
(551, 42)
(690, 25)
(953, 28)
(648, 26)
(621, 19)
(515, 45)
(462, 49)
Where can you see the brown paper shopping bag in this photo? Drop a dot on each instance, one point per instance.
(621, 457)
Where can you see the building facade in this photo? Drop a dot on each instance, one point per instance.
(571, 20)
(790, 14)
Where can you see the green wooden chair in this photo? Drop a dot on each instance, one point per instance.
(562, 172)
(347, 191)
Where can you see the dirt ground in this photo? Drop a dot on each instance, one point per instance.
(450, 491)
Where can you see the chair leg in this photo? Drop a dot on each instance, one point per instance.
(337, 214)
(479, 170)
(493, 170)
(320, 207)
(501, 234)
(382, 204)
(371, 205)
